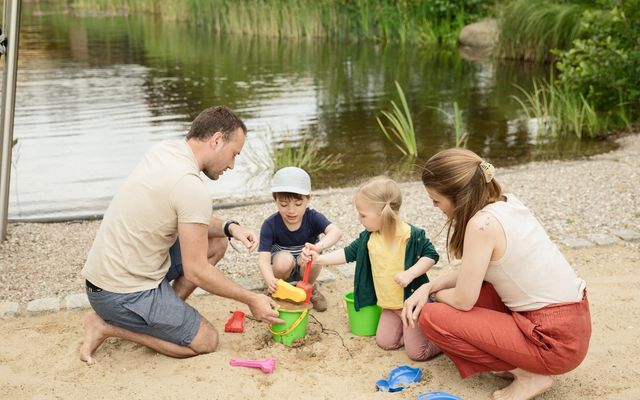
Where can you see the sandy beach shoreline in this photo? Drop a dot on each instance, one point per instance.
(573, 199)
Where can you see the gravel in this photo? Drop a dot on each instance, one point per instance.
(573, 199)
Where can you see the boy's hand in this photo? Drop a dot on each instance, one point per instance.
(403, 278)
(272, 284)
(309, 252)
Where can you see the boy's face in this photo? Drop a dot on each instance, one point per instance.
(291, 209)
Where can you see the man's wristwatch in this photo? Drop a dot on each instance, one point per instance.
(225, 227)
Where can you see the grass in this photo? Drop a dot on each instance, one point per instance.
(401, 132)
(404, 21)
(304, 154)
(461, 135)
(530, 29)
(559, 111)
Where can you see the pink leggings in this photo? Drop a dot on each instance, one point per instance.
(490, 337)
(391, 334)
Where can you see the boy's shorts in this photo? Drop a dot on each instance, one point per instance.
(158, 312)
(295, 275)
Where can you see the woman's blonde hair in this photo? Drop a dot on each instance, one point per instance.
(383, 195)
(467, 181)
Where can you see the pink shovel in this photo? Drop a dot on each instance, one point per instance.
(267, 365)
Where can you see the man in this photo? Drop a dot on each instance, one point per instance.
(157, 229)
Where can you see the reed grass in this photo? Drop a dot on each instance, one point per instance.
(401, 132)
(531, 29)
(559, 111)
(304, 154)
(461, 135)
(403, 21)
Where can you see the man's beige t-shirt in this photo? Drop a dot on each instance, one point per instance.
(131, 250)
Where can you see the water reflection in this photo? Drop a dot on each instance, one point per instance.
(95, 93)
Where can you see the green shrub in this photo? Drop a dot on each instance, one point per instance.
(530, 29)
(604, 65)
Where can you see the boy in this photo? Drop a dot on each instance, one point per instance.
(284, 234)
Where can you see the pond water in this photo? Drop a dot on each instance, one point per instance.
(94, 93)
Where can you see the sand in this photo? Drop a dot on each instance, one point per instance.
(39, 355)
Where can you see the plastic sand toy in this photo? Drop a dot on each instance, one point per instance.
(235, 323)
(437, 395)
(287, 291)
(266, 365)
(399, 378)
(304, 283)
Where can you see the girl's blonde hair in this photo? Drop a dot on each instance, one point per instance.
(461, 176)
(383, 195)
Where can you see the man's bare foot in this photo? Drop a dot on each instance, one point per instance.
(94, 334)
(526, 385)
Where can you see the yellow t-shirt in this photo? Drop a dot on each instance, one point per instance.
(386, 261)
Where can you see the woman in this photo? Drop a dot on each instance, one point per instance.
(514, 306)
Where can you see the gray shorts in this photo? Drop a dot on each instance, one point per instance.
(296, 274)
(156, 312)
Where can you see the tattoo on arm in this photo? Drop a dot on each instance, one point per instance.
(485, 224)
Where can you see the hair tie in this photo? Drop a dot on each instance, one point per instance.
(488, 170)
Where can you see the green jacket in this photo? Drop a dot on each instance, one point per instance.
(364, 293)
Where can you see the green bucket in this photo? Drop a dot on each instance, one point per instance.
(294, 326)
(363, 322)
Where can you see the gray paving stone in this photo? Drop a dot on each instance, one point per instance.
(9, 309)
(626, 234)
(79, 300)
(602, 239)
(326, 276)
(251, 284)
(347, 270)
(577, 243)
(47, 304)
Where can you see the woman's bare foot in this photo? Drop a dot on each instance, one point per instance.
(526, 385)
(503, 374)
(94, 334)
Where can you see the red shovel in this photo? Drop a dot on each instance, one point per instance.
(304, 284)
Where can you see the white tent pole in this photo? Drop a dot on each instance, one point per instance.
(11, 28)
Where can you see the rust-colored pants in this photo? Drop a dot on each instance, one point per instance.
(490, 337)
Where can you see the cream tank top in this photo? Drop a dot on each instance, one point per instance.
(532, 273)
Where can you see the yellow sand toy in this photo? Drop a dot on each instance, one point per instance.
(287, 291)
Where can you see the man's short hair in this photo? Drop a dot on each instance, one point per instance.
(215, 119)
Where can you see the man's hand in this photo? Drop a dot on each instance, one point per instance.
(246, 236)
(413, 305)
(263, 308)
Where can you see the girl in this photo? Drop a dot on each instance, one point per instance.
(514, 306)
(392, 258)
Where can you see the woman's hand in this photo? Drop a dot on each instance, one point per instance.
(413, 305)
